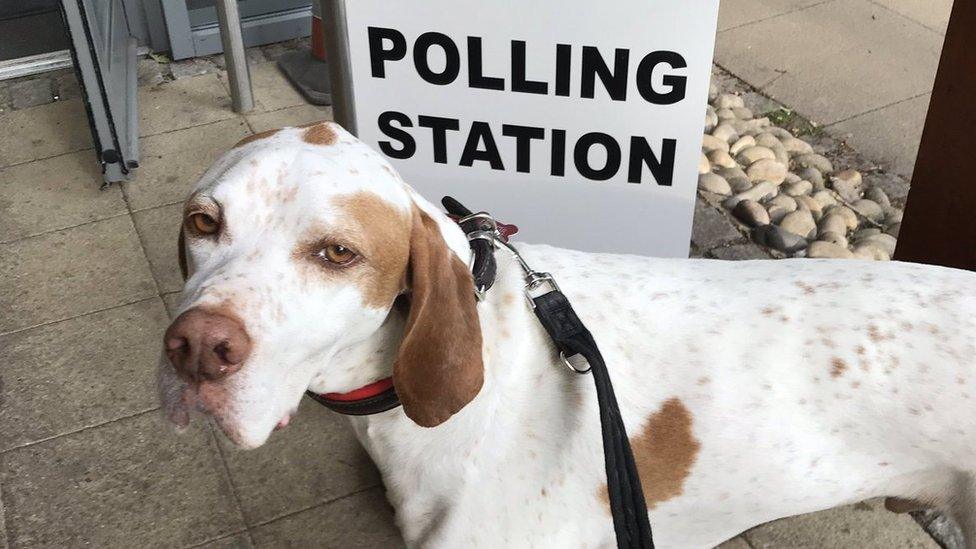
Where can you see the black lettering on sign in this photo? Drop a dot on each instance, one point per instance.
(519, 82)
(481, 132)
(641, 155)
(480, 145)
(558, 163)
(564, 58)
(408, 145)
(523, 143)
(378, 55)
(581, 156)
(421, 58)
(439, 127)
(645, 74)
(476, 77)
(614, 81)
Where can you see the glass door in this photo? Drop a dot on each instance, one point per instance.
(30, 27)
(193, 30)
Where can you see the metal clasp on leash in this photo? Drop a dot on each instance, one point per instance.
(568, 361)
(490, 234)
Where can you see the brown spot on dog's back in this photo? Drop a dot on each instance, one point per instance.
(665, 451)
(260, 135)
(837, 367)
(319, 134)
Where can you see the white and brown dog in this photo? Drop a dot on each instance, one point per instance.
(751, 390)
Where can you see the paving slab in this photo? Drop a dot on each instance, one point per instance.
(172, 162)
(361, 520)
(289, 116)
(735, 13)
(864, 525)
(172, 302)
(711, 227)
(315, 459)
(237, 541)
(834, 60)
(933, 14)
(130, 483)
(54, 193)
(272, 91)
(183, 103)
(890, 135)
(31, 92)
(3, 523)
(739, 252)
(735, 543)
(67, 273)
(40, 132)
(159, 229)
(79, 373)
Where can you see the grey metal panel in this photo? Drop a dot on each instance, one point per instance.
(156, 25)
(135, 14)
(340, 69)
(256, 30)
(178, 28)
(105, 60)
(203, 13)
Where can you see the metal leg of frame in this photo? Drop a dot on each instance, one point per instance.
(232, 39)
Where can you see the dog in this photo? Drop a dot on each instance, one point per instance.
(750, 390)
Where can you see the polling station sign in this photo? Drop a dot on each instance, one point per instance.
(581, 122)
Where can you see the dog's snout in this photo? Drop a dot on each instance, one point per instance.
(205, 345)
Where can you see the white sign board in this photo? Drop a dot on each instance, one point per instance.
(580, 122)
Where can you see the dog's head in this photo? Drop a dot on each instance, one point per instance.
(309, 264)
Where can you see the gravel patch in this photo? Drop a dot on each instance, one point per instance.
(797, 191)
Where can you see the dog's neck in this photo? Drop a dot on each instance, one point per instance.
(510, 361)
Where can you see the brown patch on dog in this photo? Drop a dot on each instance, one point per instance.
(374, 229)
(665, 452)
(438, 369)
(807, 288)
(837, 367)
(260, 135)
(320, 133)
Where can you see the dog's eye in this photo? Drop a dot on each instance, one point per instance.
(337, 253)
(203, 224)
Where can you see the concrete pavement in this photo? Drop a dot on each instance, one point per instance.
(863, 69)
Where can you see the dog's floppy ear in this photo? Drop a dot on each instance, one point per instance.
(181, 245)
(438, 368)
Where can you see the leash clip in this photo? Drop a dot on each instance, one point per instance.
(577, 358)
(535, 280)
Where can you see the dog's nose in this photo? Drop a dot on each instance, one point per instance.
(205, 345)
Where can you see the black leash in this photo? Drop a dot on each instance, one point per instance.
(556, 314)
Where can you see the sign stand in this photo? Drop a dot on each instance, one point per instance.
(337, 43)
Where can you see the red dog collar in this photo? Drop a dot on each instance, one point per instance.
(374, 398)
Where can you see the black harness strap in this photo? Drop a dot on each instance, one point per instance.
(627, 506)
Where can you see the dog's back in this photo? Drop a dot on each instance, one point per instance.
(766, 389)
